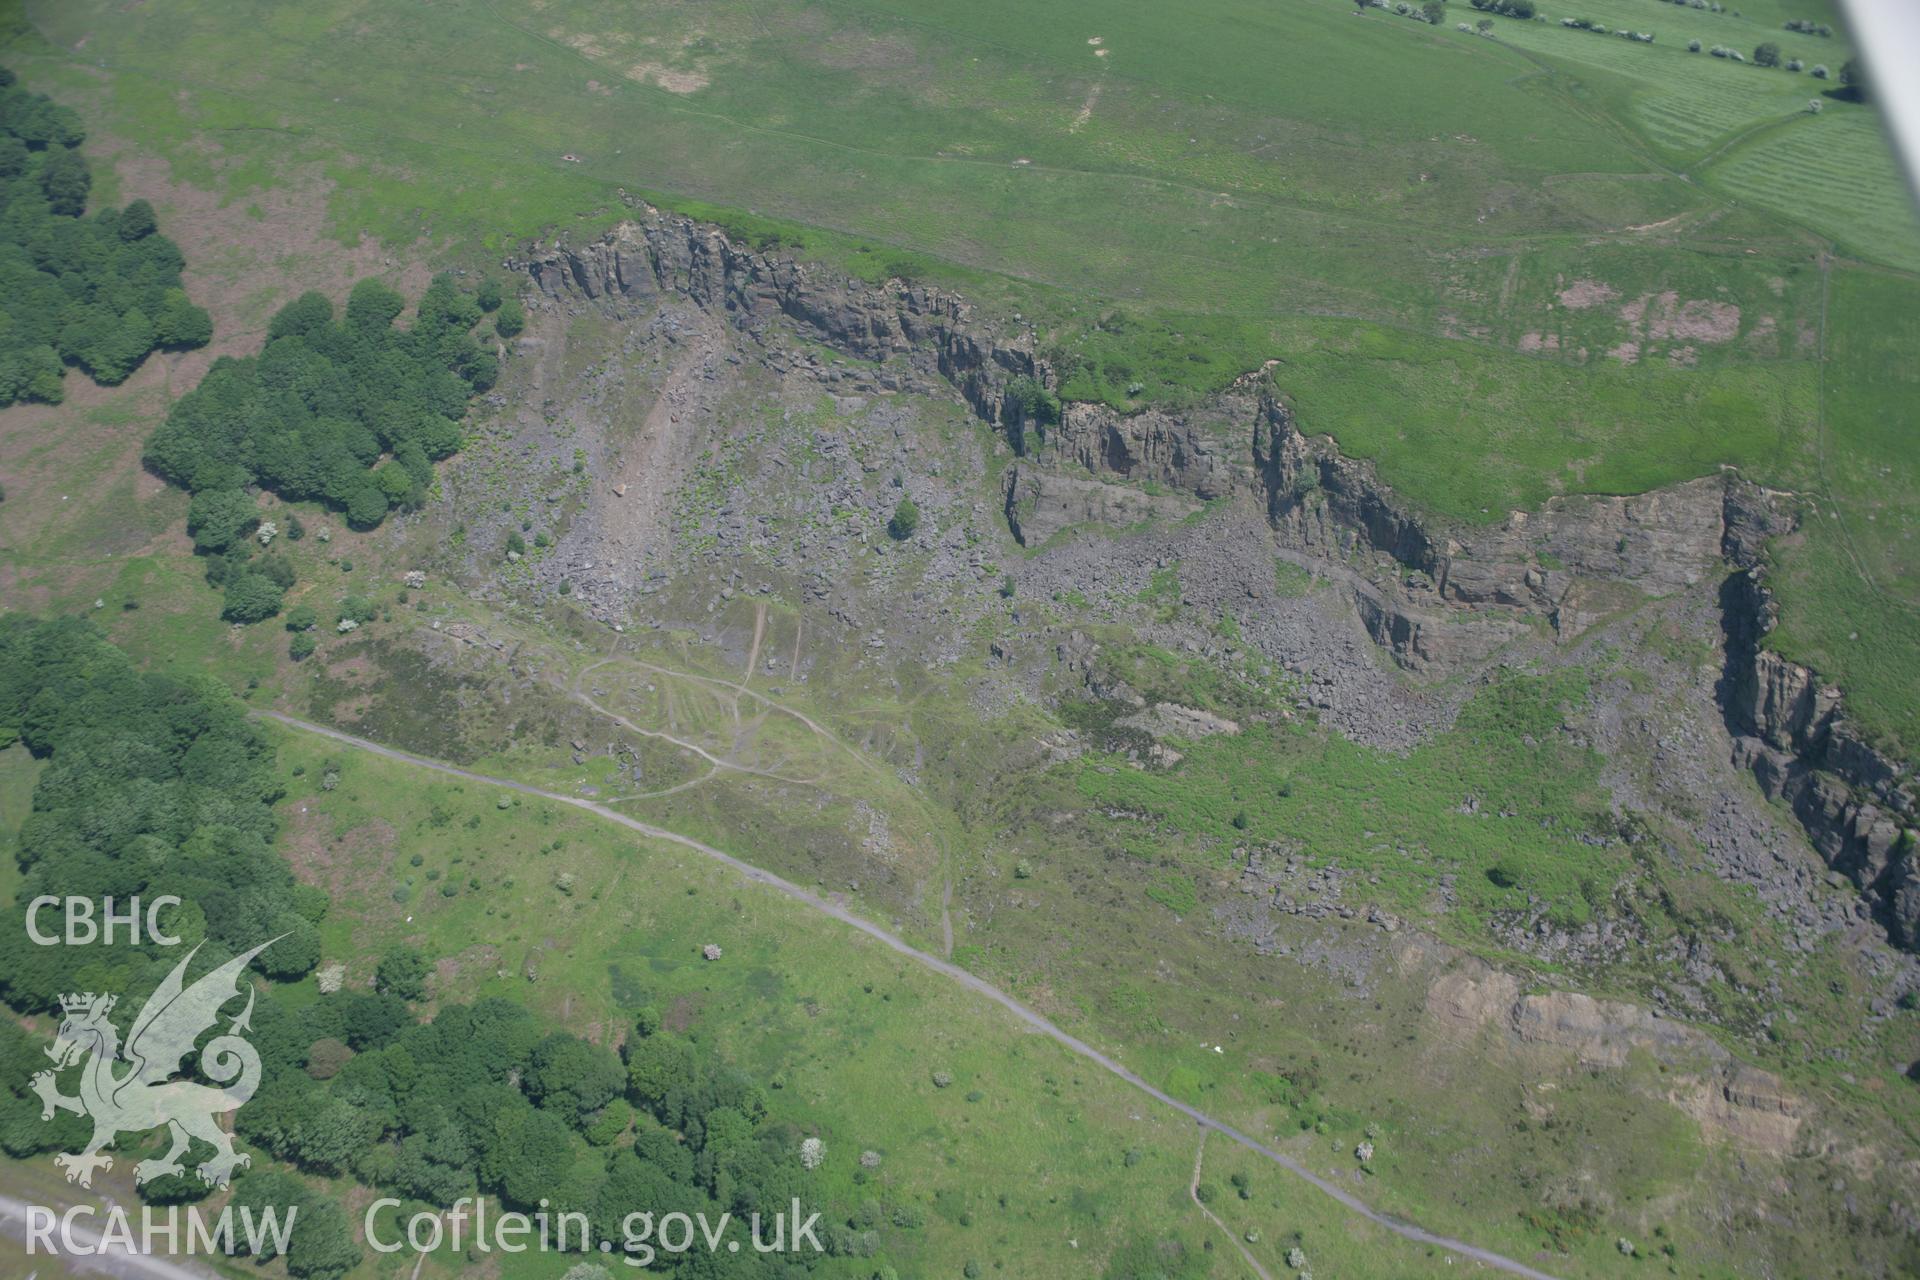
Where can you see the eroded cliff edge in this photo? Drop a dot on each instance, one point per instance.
(1856, 803)
(1454, 594)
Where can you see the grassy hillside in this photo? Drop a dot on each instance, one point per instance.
(1244, 170)
(1503, 267)
(1030, 1162)
(1849, 582)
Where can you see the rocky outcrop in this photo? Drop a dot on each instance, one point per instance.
(1658, 542)
(1246, 440)
(1605, 1033)
(1732, 1100)
(1098, 465)
(927, 331)
(1743, 1105)
(1420, 640)
(1171, 720)
(1465, 589)
(1202, 451)
(1041, 503)
(1856, 803)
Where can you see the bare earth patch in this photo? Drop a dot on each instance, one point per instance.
(1663, 315)
(1086, 108)
(1582, 294)
(668, 78)
(858, 51)
(586, 45)
(341, 863)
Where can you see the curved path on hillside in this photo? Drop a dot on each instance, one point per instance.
(973, 982)
(1193, 1194)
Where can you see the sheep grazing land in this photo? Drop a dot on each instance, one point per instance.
(1247, 637)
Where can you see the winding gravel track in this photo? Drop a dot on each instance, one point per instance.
(972, 982)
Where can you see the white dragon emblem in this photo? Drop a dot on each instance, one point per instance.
(146, 1096)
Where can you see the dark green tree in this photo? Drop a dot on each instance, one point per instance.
(66, 179)
(221, 518)
(1853, 80)
(181, 324)
(366, 504)
(99, 292)
(269, 1191)
(137, 221)
(321, 1247)
(402, 973)
(525, 1154)
(510, 319)
(572, 1078)
(296, 949)
(309, 313)
(905, 521)
(373, 1021)
(251, 597)
(372, 307)
(657, 1068)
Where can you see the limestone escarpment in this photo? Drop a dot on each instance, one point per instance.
(1733, 1101)
(927, 331)
(1318, 499)
(1459, 591)
(1658, 542)
(1097, 464)
(1858, 805)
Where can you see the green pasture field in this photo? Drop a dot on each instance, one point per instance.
(1519, 429)
(1175, 197)
(1743, 129)
(1399, 820)
(1058, 873)
(1833, 172)
(1849, 582)
(1458, 249)
(1224, 177)
(1031, 1162)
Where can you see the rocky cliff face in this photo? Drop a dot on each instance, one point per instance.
(1463, 590)
(1857, 805)
(928, 331)
(1731, 1100)
(1246, 440)
(1242, 441)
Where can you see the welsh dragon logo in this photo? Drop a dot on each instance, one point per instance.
(145, 1096)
